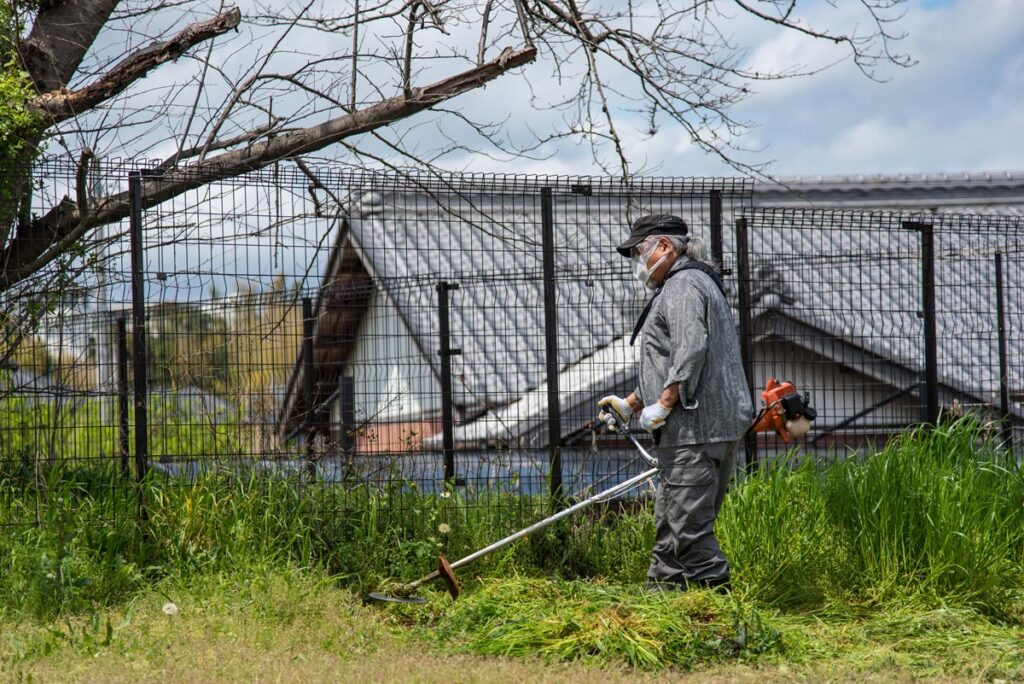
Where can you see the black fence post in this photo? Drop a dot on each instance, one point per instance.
(122, 394)
(139, 362)
(551, 344)
(447, 399)
(347, 399)
(746, 325)
(1004, 387)
(717, 251)
(931, 349)
(308, 386)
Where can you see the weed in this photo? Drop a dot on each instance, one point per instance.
(936, 517)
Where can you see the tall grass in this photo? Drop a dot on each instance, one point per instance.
(937, 515)
(92, 546)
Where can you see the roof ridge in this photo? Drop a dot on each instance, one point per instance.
(942, 177)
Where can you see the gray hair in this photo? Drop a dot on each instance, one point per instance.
(689, 246)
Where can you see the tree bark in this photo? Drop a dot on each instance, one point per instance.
(61, 104)
(61, 35)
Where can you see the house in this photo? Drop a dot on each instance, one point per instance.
(835, 296)
(377, 315)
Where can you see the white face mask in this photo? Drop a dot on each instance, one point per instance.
(643, 272)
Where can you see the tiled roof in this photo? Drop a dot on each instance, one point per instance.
(490, 244)
(991, 193)
(856, 276)
(849, 274)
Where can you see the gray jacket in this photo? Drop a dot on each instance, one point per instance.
(690, 338)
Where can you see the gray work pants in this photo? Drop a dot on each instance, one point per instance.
(692, 483)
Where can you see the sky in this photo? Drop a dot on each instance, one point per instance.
(960, 108)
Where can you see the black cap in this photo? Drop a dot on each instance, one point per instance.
(652, 224)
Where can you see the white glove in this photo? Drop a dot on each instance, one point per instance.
(615, 411)
(653, 416)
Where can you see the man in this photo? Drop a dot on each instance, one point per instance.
(692, 394)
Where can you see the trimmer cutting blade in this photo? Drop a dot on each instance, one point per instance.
(444, 569)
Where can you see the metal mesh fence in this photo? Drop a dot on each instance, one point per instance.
(427, 333)
(887, 319)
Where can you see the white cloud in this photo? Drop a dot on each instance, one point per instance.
(960, 108)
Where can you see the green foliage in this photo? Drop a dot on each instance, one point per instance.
(18, 122)
(895, 559)
(16, 119)
(935, 519)
(189, 347)
(779, 535)
(85, 440)
(89, 545)
(286, 624)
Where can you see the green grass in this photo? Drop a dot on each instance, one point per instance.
(937, 516)
(280, 624)
(912, 558)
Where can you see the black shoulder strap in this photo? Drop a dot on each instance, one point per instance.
(691, 264)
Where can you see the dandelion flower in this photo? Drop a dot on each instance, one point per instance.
(170, 609)
(443, 528)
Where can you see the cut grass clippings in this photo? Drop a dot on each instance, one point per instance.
(604, 624)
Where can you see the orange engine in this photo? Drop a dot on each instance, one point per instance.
(784, 411)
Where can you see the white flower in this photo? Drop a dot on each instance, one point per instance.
(446, 495)
(443, 528)
(170, 609)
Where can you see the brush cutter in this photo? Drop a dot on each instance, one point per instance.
(446, 571)
(784, 412)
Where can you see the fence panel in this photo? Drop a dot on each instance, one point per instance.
(295, 326)
(838, 307)
(968, 320)
(64, 413)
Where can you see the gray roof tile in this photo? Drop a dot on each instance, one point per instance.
(855, 275)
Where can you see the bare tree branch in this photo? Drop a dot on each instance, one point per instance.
(484, 21)
(355, 58)
(247, 83)
(199, 89)
(865, 60)
(49, 236)
(81, 178)
(60, 104)
(314, 73)
(407, 60)
(248, 136)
